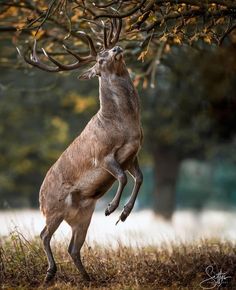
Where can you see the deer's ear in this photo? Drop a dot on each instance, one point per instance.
(88, 74)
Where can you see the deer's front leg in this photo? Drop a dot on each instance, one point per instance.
(114, 168)
(136, 173)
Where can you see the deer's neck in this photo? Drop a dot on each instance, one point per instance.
(118, 97)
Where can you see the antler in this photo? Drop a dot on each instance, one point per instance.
(35, 60)
(113, 36)
(109, 41)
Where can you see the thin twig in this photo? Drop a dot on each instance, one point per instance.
(122, 15)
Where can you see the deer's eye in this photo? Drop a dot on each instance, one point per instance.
(101, 61)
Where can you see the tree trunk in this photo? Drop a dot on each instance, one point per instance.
(166, 167)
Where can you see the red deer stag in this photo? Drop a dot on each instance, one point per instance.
(101, 154)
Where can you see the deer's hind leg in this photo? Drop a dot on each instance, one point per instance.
(79, 227)
(52, 224)
(114, 168)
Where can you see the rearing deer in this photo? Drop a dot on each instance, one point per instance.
(101, 154)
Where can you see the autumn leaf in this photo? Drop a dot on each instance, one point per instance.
(208, 39)
(20, 26)
(136, 81)
(163, 38)
(37, 34)
(152, 18)
(142, 55)
(145, 83)
(167, 48)
(221, 20)
(177, 40)
(192, 20)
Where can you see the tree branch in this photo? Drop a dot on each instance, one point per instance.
(228, 31)
(122, 15)
(191, 13)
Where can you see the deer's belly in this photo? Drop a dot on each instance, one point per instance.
(95, 183)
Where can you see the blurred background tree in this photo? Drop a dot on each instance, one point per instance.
(189, 114)
(182, 59)
(39, 117)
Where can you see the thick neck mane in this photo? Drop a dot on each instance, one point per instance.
(118, 97)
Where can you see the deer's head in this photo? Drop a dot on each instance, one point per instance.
(108, 60)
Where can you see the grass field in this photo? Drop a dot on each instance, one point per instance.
(178, 266)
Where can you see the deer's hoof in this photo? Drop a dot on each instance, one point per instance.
(107, 212)
(123, 216)
(87, 278)
(110, 208)
(49, 276)
(48, 280)
(125, 213)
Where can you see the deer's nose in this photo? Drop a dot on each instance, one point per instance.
(117, 49)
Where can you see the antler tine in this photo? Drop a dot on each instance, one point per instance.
(90, 42)
(62, 66)
(117, 33)
(115, 22)
(72, 53)
(105, 37)
(35, 61)
(110, 35)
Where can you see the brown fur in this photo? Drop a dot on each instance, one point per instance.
(107, 147)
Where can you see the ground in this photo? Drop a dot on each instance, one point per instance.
(170, 266)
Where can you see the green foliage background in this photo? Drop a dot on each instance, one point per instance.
(40, 116)
(190, 114)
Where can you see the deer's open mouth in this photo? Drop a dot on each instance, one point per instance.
(118, 55)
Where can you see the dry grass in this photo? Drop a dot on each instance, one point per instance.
(23, 265)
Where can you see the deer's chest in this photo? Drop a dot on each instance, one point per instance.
(120, 137)
(130, 147)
